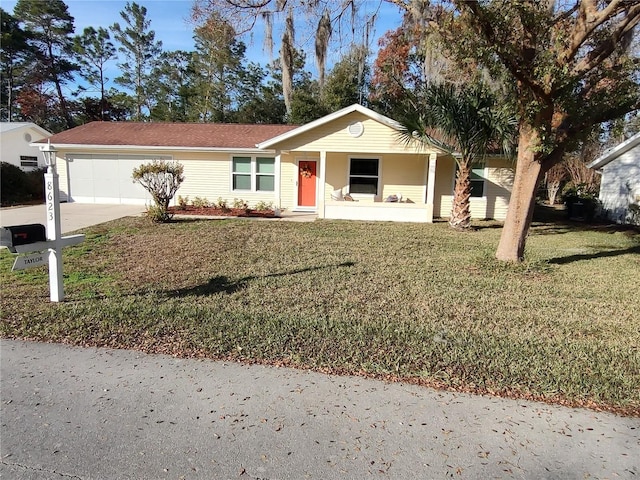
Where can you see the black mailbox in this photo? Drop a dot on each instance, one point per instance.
(15, 235)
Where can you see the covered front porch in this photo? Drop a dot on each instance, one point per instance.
(383, 187)
(355, 165)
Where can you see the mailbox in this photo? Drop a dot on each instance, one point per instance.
(15, 235)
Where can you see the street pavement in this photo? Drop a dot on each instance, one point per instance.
(87, 413)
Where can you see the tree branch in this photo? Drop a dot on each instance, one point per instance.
(608, 45)
(514, 61)
(587, 21)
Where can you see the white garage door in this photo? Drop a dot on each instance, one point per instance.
(102, 178)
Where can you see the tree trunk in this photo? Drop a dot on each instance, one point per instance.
(56, 80)
(552, 191)
(523, 197)
(461, 211)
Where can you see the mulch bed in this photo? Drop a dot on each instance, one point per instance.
(220, 212)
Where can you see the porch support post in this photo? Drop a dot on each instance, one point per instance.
(276, 182)
(321, 186)
(431, 186)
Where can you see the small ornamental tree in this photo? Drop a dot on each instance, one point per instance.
(553, 179)
(162, 180)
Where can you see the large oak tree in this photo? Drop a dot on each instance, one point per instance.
(572, 70)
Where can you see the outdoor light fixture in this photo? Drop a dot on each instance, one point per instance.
(49, 153)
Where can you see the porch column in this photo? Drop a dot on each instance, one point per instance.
(321, 186)
(276, 181)
(431, 185)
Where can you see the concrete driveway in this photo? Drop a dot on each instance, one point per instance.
(74, 216)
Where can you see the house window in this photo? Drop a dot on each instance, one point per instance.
(26, 161)
(242, 173)
(477, 182)
(476, 178)
(364, 176)
(265, 174)
(253, 174)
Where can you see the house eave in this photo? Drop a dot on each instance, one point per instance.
(615, 152)
(29, 125)
(329, 118)
(86, 146)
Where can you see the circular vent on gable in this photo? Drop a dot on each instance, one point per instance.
(356, 129)
(27, 137)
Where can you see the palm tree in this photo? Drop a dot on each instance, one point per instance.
(466, 122)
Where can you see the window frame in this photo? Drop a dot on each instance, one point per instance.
(253, 173)
(378, 177)
(483, 180)
(476, 166)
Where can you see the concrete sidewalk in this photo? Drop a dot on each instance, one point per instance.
(73, 216)
(107, 414)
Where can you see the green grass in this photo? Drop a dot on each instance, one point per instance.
(420, 303)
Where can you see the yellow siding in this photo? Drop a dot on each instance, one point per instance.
(499, 181)
(445, 170)
(206, 178)
(288, 179)
(337, 176)
(334, 137)
(406, 175)
(63, 179)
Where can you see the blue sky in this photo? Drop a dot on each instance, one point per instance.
(170, 21)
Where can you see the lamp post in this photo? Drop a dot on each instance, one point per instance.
(54, 230)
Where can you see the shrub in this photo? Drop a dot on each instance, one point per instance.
(239, 203)
(634, 213)
(17, 186)
(157, 215)
(579, 190)
(264, 206)
(222, 204)
(183, 202)
(200, 202)
(161, 179)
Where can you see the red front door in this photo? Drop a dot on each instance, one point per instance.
(307, 183)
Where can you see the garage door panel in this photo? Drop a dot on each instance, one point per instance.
(128, 189)
(104, 178)
(81, 175)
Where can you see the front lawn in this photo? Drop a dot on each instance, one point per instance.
(416, 302)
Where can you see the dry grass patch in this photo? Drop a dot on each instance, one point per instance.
(420, 303)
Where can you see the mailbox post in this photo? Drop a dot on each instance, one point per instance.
(54, 230)
(32, 238)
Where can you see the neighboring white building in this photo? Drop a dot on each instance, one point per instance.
(620, 185)
(15, 147)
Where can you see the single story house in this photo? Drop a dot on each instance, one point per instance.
(620, 183)
(351, 164)
(16, 144)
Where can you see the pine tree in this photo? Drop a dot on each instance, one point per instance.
(140, 48)
(50, 28)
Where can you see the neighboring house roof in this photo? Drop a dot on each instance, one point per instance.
(268, 143)
(209, 136)
(613, 153)
(9, 126)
